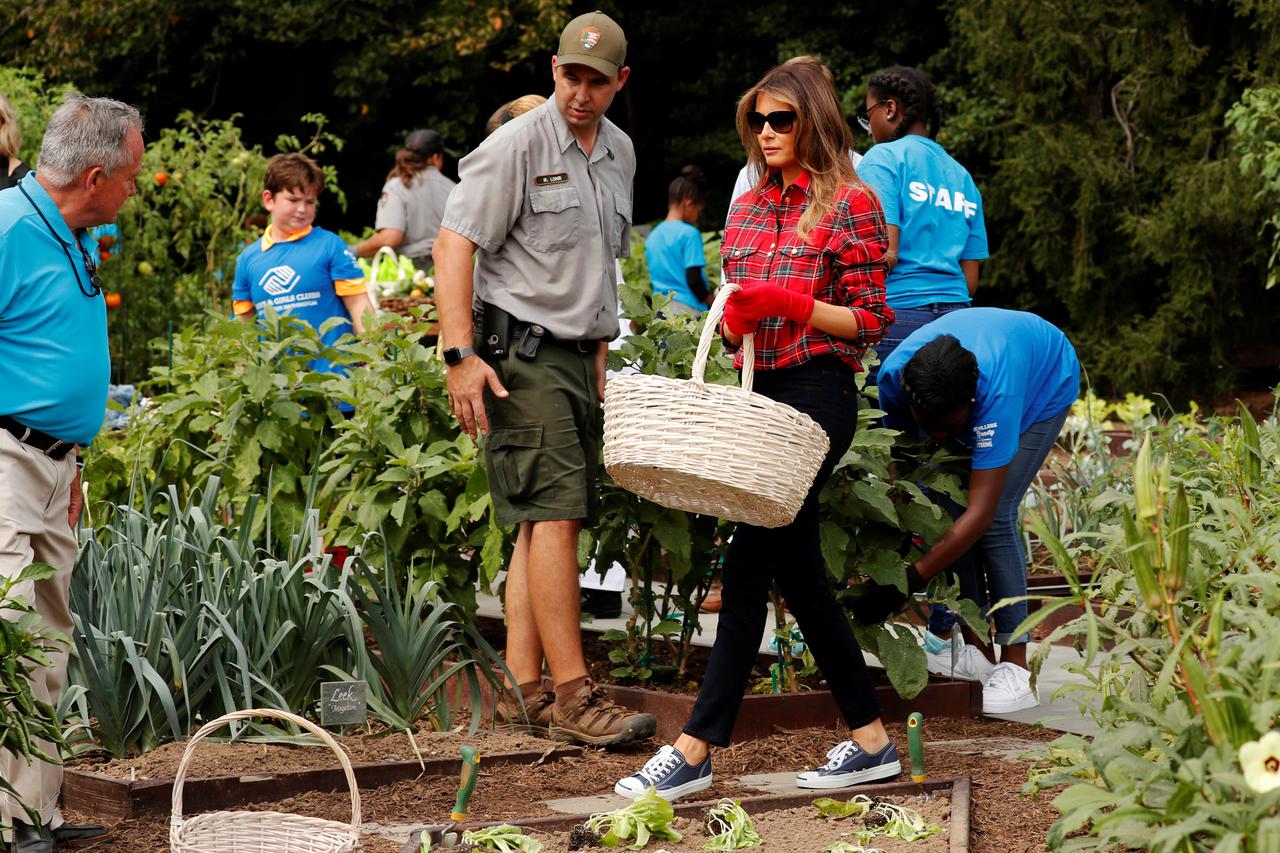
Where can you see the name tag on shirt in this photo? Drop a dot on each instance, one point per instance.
(551, 180)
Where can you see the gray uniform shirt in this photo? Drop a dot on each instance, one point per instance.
(550, 222)
(417, 210)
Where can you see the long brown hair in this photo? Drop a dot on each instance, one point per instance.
(408, 164)
(822, 137)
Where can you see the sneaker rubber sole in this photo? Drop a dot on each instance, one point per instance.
(1008, 706)
(669, 794)
(845, 780)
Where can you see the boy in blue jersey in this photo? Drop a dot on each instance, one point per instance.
(296, 268)
(1000, 383)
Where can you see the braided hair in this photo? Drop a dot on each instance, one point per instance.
(914, 93)
(941, 378)
(688, 186)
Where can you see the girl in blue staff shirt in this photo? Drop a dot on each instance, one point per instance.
(674, 250)
(931, 206)
(937, 235)
(1001, 383)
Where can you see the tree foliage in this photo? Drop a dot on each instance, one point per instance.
(1121, 203)
(1113, 188)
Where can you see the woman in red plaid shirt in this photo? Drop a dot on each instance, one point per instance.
(807, 245)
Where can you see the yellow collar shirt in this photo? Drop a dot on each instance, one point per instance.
(550, 222)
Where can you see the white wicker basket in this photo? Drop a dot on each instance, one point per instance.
(262, 832)
(711, 449)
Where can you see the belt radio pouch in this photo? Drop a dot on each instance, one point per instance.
(529, 340)
(496, 326)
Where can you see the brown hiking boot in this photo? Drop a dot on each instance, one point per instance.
(536, 717)
(589, 717)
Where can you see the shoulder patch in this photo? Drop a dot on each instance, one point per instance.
(549, 180)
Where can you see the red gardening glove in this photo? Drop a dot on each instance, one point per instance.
(734, 320)
(769, 300)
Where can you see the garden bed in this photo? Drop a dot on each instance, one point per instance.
(788, 822)
(1003, 820)
(228, 775)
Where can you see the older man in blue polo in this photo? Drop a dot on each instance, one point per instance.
(53, 337)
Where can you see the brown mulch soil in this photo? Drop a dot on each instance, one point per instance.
(234, 759)
(1004, 821)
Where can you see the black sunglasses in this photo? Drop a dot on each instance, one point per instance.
(782, 121)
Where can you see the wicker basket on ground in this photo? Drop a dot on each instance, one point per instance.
(711, 449)
(257, 832)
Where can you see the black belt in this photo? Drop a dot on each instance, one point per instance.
(519, 327)
(54, 448)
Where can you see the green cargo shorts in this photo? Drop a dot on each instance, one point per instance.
(543, 447)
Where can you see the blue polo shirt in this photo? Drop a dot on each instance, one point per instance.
(938, 211)
(53, 338)
(1027, 372)
(303, 276)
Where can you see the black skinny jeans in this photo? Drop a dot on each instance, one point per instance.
(824, 389)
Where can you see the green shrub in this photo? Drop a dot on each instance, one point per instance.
(24, 648)
(1180, 636)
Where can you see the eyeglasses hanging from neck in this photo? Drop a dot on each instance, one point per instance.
(95, 283)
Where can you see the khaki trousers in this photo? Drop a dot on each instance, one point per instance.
(34, 495)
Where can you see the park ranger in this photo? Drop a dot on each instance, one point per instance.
(546, 203)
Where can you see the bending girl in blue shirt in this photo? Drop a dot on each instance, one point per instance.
(1001, 383)
(677, 262)
(931, 205)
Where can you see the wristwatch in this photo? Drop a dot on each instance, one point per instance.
(453, 355)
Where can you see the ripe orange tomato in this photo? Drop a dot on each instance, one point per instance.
(161, 178)
(114, 300)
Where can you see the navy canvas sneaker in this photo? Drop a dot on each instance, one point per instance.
(848, 764)
(670, 774)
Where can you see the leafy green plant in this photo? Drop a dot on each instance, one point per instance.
(240, 402)
(730, 827)
(34, 100)
(880, 817)
(649, 816)
(423, 643)
(1179, 637)
(857, 806)
(25, 721)
(502, 839)
(849, 847)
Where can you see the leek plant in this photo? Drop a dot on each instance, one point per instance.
(182, 614)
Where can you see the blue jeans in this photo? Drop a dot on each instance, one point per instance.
(906, 321)
(996, 567)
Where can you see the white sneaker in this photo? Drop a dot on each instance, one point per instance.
(970, 664)
(1008, 690)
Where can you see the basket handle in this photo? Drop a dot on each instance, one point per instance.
(384, 252)
(175, 819)
(711, 328)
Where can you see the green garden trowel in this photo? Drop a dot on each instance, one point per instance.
(915, 745)
(443, 835)
(467, 783)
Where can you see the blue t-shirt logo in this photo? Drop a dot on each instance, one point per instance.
(937, 209)
(952, 200)
(279, 280)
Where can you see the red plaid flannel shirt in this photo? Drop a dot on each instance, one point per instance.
(842, 263)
